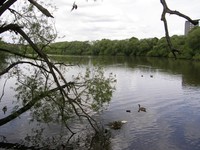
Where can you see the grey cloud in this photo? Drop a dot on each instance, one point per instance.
(119, 19)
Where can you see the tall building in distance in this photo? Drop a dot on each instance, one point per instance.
(189, 26)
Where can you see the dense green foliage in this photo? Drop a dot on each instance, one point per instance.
(189, 47)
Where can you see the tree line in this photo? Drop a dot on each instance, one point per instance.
(189, 47)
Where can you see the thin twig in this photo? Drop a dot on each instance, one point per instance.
(3, 89)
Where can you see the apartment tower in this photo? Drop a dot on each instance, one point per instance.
(189, 26)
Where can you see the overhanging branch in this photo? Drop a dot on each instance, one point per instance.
(163, 18)
(19, 54)
(28, 106)
(21, 62)
(41, 8)
(6, 5)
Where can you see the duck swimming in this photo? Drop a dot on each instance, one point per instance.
(141, 108)
(4, 109)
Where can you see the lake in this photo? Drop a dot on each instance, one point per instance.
(169, 90)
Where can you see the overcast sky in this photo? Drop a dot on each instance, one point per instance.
(119, 19)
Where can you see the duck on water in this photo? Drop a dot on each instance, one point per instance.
(141, 108)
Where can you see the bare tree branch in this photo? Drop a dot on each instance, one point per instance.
(2, 94)
(41, 8)
(11, 27)
(17, 146)
(6, 5)
(21, 62)
(19, 54)
(163, 18)
(28, 106)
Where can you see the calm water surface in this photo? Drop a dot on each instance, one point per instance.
(171, 97)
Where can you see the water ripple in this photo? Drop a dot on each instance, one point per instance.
(171, 120)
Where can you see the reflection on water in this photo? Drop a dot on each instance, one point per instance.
(173, 106)
(169, 89)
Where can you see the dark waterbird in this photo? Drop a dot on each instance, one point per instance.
(141, 108)
(4, 109)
